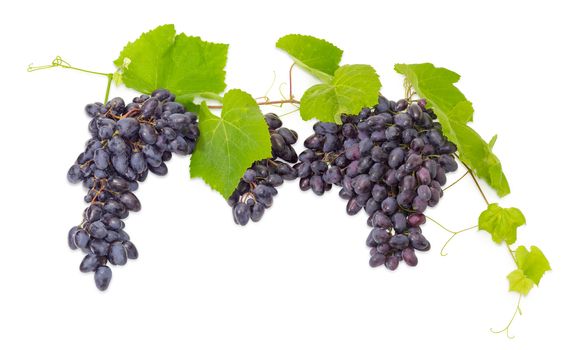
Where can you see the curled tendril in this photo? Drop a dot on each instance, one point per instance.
(506, 329)
(280, 90)
(270, 87)
(264, 98)
(56, 62)
(442, 252)
(60, 62)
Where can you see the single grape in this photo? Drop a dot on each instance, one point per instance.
(102, 277)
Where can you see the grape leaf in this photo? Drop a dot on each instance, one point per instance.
(501, 223)
(454, 111)
(518, 282)
(317, 56)
(230, 143)
(352, 88)
(533, 263)
(180, 63)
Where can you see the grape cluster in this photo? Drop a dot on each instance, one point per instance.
(128, 142)
(390, 160)
(257, 187)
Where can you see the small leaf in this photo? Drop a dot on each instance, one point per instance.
(501, 223)
(318, 57)
(352, 88)
(180, 63)
(533, 263)
(518, 282)
(230, 143)
(454, 111)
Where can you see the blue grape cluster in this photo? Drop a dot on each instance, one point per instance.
(257, 187)
(390, 160)
(128, 142)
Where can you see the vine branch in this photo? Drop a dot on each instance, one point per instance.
(475, 180)
(517, 309)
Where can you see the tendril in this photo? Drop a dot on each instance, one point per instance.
(281, 92)
(453, 233)
(270, 87)
(290, 81)
(506, 329)
(288, 113)
(60, 62)
(409, 92)
(456, 181)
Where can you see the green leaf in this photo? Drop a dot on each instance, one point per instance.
(454, 111)
(352, 88)
(180, 63)
(518, 282)
(317, 56)
(230, 143)
(501, 223)
(533, 263)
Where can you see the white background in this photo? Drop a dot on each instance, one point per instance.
(299, 279)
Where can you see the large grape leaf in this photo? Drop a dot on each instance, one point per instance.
(317, 56)
(454, 112)
(352, 88)
(185, 65)
(501, 223)
(229, 144)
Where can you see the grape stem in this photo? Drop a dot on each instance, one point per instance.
(59, 62)
(475, 180)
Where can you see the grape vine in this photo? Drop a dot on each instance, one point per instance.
(390, 158)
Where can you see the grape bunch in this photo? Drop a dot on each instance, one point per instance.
(257, 187)
(390, 160)
(128, 142)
